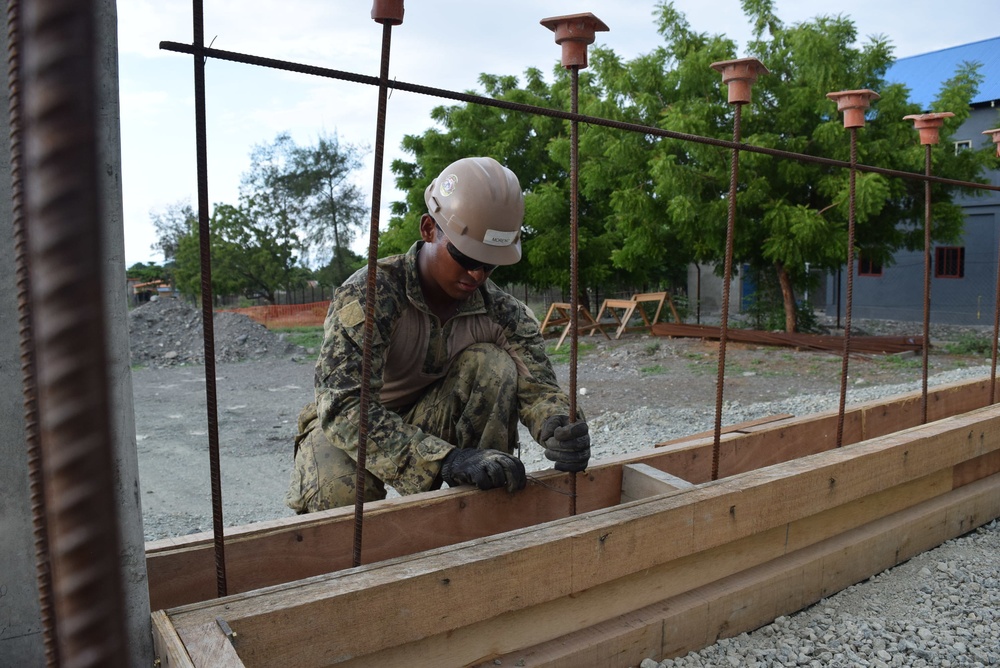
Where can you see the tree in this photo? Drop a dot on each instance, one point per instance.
(172, 224)
(789, 212)
(310, 188)
(536, 148)
(146, 272)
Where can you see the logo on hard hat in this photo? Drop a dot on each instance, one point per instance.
(448, 185)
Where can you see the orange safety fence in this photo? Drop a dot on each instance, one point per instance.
(285, 315)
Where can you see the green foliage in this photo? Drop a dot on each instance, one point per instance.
(970, 344)
(145, 273)
(249, 257)
(307, 337)
(295, 201)
(562, 355)
(649, 206)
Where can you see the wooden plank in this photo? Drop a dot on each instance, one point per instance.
(642, 480)
(446, 589)
(182, 570)
(692, 620)
(210, 647)
(741, 427)
(514, 630)
(168, 648)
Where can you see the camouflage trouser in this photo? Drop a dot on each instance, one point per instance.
(473, 406)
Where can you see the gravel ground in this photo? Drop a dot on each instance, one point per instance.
(938, 609)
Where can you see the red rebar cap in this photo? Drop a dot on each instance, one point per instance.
(853, 103)
(995, 134)
(387, 11)
(739, 75)
(928, 125)
(574, 32)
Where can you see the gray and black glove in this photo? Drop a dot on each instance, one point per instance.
(485, 469)
(567, 444)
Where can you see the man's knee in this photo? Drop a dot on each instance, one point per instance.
(324, 476)
(486, 362)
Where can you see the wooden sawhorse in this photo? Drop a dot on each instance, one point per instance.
(559, 314)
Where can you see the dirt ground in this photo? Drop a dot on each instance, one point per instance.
(259, 399)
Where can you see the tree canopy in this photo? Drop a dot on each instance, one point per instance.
(295, 203)
(649, 206)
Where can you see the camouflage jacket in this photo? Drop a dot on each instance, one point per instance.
(400, 454)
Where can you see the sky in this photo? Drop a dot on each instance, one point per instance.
(441, 43)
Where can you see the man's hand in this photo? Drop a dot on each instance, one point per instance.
(485, 469)
(567, 444)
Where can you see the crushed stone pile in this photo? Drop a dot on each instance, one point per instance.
(167, 332)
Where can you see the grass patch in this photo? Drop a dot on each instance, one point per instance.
(970, 344)
(561, 356)
(307, 337)
(899, 362)
(653, 370)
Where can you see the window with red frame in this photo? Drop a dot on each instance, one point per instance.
(949, 262)
(869, 267)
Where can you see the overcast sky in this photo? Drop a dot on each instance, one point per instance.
(441, 43)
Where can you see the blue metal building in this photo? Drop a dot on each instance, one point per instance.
(964, 275)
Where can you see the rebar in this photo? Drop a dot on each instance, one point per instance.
(61, 209)
(574, 259)
(329, 73)
(207, 321)
(36, 484)
(927, 286)
(850, 287)
(370, 294)
(734, 174)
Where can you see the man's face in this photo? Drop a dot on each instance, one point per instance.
(449, 270)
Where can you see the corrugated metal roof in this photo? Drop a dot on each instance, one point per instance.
(925, 73)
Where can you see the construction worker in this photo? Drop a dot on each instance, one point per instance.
(456, 362)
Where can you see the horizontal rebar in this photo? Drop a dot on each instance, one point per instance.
(329, 73)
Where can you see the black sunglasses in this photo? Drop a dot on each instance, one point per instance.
(467, 262)
(463, 260)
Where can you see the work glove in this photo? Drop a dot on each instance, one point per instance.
(566, 443)
(485, 469)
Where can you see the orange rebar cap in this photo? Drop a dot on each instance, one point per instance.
(739, 75)
(387, 11)
(853, 103)
(928, 125)
(574, 32)
(995, 134)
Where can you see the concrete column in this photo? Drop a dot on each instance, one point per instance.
(21, 642)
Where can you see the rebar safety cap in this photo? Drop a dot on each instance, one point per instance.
(479, 204)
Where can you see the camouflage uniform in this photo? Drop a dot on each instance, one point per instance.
(464, 385)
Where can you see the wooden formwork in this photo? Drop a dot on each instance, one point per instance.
(465, 578)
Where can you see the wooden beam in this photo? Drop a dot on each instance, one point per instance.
(746, 600)
(497, 636)
(443, 590)
(182, 571)
(168, 647)
(741, 428)
(642, 480)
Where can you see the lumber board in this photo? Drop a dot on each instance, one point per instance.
(642, 480)
(442, 590)
(168, 648)
(488, 639)
(182, 570)
(695, 619)
(741, 428)
(209, 646)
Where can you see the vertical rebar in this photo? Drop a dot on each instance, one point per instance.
(207, 323)
(574, 258)
(850, 286)
(62, 211)
(370, 294)
(734, 173)
(36, 484)
(927, 285)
